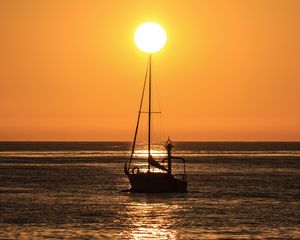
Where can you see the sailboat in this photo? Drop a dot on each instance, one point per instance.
(160, 178)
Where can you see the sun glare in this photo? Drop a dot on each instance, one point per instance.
(150, 37)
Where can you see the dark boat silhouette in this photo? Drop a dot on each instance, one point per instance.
(154, 181)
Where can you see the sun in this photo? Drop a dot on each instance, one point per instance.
(150, 37)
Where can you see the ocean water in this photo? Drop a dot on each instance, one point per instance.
(72, 190)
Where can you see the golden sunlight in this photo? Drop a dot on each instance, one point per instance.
(150, 37)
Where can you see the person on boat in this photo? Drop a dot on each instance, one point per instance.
(169, 145)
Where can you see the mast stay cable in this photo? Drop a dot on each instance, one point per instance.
(139, 114)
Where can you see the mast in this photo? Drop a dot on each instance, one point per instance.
(149, 111)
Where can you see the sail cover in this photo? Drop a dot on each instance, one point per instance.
(156, 164)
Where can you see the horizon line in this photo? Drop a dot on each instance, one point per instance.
(233, 141)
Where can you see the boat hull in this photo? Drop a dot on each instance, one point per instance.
(156, 183)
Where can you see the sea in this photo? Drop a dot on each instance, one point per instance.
(75, 190)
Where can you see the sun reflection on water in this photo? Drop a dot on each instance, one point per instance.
(158, 153)
(154, 153)
(141, 155)
(151, 220)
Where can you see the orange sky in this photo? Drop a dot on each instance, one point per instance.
(70, 69)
